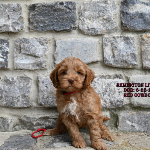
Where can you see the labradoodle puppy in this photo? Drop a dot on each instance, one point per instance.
(78, 104)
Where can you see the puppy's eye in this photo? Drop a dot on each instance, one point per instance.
(79, 72)
(64, 72)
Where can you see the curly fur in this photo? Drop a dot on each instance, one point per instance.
(81, 109)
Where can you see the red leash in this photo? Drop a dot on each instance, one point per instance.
(38, 130)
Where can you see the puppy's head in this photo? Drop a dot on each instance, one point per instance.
(71, 75)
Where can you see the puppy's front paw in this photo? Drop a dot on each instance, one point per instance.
(98, 145)
(47, 132)
(107, 136)
(51, 132)
(79, 144)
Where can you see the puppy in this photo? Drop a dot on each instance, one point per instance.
(78, 104)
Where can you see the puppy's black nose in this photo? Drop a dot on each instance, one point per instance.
(71, 81)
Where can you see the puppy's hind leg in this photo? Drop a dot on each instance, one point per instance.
(59, 129)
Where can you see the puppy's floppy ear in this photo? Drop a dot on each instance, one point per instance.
(54, 76)
(89, 77)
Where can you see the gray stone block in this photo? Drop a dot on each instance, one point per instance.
(134, 122)
(11, 18)
(36, 122)
(4, 51)
(19, 142)
(15, 91)
(47, 92)
(139, 101)
(31, 53)
(4, 124)
(111, 96)
(57, 16)
(56, 141)
(98, 17)
(145, 48)
(110, 76)
(120, 51)
(135, 15)
(85, 49)
(9, 123)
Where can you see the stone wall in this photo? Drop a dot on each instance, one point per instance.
(111, 36)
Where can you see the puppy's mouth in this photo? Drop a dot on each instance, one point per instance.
(71, 89)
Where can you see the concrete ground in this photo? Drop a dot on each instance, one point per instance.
(21, 140)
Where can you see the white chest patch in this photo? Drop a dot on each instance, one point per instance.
(70, 109)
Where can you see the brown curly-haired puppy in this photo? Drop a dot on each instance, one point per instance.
(78, 104)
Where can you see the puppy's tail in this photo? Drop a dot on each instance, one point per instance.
(105, 118)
